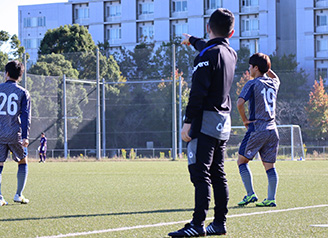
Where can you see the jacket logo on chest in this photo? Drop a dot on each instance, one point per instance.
(201, 64)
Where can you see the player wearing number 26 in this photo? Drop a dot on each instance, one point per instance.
(15, 118)
(262, 135)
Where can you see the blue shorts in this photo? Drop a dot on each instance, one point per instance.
(16, 148)
(265, 142)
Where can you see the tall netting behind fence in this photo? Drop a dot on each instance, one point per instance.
(46, 101)
(81, 101)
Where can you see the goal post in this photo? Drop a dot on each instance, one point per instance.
(290, 143)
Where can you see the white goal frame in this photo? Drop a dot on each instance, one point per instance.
(291, 138)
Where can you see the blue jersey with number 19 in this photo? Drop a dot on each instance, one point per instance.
(15, 112)
(261, 93)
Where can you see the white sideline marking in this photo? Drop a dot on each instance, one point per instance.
(179, 222)
(320, 225)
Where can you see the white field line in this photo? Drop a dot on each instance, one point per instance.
(179, 222)
(320, 225)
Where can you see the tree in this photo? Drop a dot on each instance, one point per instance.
(4, 37)
(3, 60)
(317, 110)
(17, 49)
(65, 39)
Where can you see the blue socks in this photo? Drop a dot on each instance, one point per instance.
(272, 183)
(1, 167)
(246, 176)
(21, 178)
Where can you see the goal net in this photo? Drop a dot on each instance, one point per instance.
(290, 143)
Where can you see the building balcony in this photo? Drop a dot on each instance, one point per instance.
(179, 14)
(114, 42)
(321, 3)
(250, 33)
(321, 29)
(146, 17)
(322, 54)
(250, 9)
(82, 21)
(113, 19)
(209, 11)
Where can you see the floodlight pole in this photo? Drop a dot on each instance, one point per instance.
(98, 149)
(174, 110)
(65, 117)
(103, 118)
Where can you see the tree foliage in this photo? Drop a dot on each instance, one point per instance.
(65, 39)
(317, 109)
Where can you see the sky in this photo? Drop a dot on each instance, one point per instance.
(9, 13)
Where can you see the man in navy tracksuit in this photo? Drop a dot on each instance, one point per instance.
(207, 123)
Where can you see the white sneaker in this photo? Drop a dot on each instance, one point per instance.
(21, 199)
(2, 201)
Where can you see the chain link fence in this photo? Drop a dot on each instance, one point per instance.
(136, 102)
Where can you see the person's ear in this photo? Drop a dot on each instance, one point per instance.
(232, 32)
(208, 29)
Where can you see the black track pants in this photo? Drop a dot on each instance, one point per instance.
(206, 169)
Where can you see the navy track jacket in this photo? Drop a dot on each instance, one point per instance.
(213, 74)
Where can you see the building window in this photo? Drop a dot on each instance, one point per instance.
(323, 72)
(249, 26)
(146, 8)
(34, 21)
(249, 3)
(145, 32)
(114, 11)
(179, 6)
(81, 13)
(321, 20)
(322, 45)
(252, 45)
(214, 4)
(113, 34)
(179, 27)
(32, 43)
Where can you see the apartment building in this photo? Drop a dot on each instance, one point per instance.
(312, 36)
(290, 26)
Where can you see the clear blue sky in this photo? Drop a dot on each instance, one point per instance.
(9, 13)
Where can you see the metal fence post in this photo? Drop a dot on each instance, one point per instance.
(103, 118)
(98, 151)
(174, 103)
(24, 75)
(65, 117)
(180, 117)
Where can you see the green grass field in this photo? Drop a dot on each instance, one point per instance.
(93, 196)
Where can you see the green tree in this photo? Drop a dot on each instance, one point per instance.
(317, 110)
(3, 60)
(17, 50)
(4, 37)
(65, 39)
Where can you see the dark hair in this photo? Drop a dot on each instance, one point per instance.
(222, 22)
(262, 61)
(42, 133)
(15, 69)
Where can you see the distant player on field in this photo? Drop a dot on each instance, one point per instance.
(43, 148)
(15, 118)
(262, 135)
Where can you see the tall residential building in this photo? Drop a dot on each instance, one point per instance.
(312, 36)
(291, 26)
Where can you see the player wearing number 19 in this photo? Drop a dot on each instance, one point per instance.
(15, 118)
(262, 134)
